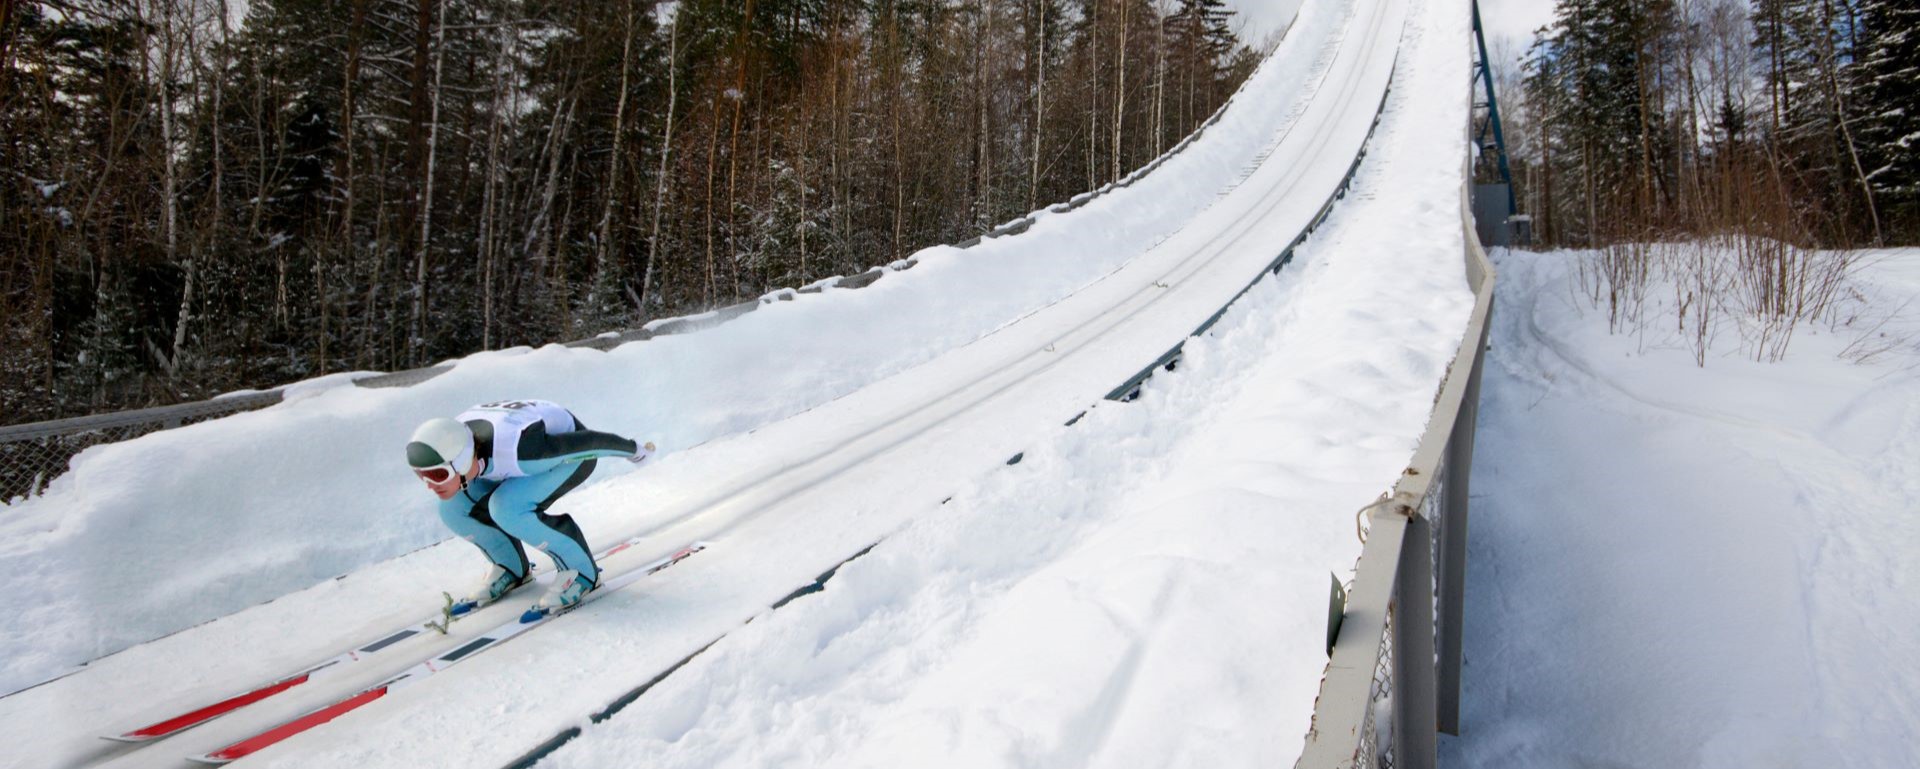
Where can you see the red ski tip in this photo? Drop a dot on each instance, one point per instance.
(209, 712)
(272, 736)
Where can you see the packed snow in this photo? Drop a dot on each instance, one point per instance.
(1677, 565)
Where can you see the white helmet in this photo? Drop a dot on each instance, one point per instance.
(441, 441)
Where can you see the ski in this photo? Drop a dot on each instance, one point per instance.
(435, 624)
(504, 632)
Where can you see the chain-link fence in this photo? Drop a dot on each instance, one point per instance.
(32, 455)
(1376, 745)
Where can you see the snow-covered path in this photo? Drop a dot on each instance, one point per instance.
(1677, 566)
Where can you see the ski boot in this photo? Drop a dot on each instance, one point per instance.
(493, 587)
(569, 587)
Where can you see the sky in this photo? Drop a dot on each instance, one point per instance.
(1254, 20)
(1516, 19)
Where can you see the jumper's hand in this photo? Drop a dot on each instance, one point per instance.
(646, 450)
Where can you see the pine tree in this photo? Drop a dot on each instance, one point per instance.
(1888, 77)
(1591, 77)
(79, 212)
(1547, 102)
(1198, 32)
(1805, 50)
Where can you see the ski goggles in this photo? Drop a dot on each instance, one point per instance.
(435, 475)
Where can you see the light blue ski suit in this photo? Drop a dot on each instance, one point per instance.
(533, 453)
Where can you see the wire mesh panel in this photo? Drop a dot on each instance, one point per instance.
(27, 466)
(1376, 745)
(1435, 509)
(32, 455)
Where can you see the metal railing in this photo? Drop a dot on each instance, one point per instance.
(1393, 680)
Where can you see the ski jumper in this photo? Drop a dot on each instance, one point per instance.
(534, 452)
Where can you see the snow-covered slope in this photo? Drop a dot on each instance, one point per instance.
(1350, 343)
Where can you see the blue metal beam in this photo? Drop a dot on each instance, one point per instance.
(1483, 72)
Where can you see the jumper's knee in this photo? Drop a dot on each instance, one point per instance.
(459, 514)
(563, 543)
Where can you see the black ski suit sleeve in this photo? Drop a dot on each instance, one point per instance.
(577, 446)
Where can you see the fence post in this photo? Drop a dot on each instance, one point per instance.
(1453, 539)
(1413, 691)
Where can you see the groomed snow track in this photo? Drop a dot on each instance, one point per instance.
(826, 485)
